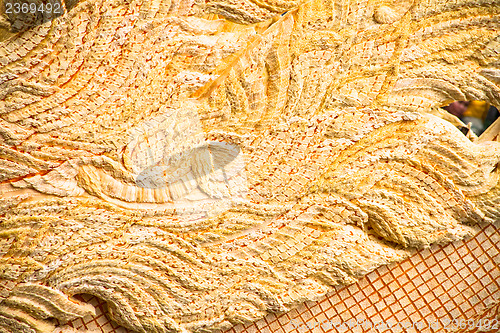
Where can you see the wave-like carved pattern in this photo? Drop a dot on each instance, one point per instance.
(198, 164)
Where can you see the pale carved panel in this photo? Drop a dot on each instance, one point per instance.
(199, 164)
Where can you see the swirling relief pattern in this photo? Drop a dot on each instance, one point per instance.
(199, 164)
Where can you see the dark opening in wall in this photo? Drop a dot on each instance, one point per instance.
(477, 116)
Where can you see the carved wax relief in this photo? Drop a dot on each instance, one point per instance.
(198, 164)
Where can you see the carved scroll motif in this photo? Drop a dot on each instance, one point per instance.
(198, 164)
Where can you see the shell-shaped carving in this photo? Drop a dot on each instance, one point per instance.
(174, 167)
(386, 14)
(165, 139)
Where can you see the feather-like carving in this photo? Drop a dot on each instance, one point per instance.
(198, 164)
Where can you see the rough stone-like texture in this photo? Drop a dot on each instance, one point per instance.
(458, 281)
(198, 164)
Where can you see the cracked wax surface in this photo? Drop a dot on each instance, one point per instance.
(202, 165)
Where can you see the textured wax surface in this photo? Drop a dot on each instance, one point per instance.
(458, 281)
(201, 164)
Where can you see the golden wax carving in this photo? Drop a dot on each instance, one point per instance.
(200, 163)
